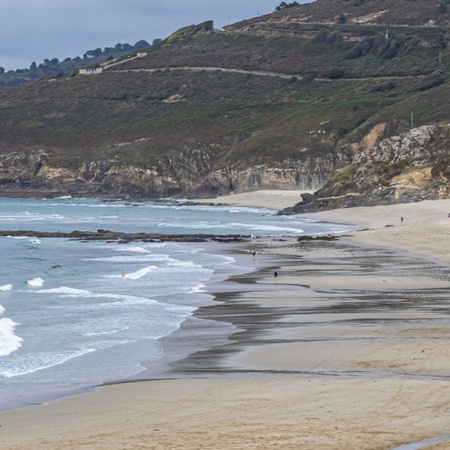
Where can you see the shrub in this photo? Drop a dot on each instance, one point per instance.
(342, 175)
(431, 81)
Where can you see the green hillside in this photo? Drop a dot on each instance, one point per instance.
(292, 86)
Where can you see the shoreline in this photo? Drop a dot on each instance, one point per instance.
(346, 348)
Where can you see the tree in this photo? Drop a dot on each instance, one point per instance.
(284, 5)
(33, 66)
(141, 44)
(442, 8)
(2, 70)
(92, 53)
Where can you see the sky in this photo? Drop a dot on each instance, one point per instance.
(34, 30)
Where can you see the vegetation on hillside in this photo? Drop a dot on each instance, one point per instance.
(277, 88)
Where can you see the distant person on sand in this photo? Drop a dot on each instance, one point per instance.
(124, 272)
(401, 219)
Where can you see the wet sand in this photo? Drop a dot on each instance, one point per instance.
(347, 348)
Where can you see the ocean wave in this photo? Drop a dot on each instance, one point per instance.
(199, 288)
(141, 273)
(66, 291)
(9, 342)
(179, 308)
(183, 264)
(36, 282)
(256, 227)
(148, 257)
(133, 249)
(6, 287)
(100, 333)
(43, 361)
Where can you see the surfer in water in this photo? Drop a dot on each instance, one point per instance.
(124, 272)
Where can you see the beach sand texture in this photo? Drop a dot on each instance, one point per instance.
(347, 348)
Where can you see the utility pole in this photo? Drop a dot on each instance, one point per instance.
(412, 120)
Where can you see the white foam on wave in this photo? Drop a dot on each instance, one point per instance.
(133, 249)
(44, 361)
(9, 342)
(36, 282)
(183, 264)
(104, 333)
(267, 228)
(100, 333)
(135, 258)
(199, 288)
(249, 210)
(34, 241)
(179, 308)
(6, 287)
(66, 291)
(141, 272)
(228, 259)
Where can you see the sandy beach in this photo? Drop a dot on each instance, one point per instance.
(345, 349)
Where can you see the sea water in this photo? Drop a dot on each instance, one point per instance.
(75, 314)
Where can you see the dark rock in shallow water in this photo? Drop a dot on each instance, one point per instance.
(115, 236)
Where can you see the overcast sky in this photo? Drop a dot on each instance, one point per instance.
(33, 30)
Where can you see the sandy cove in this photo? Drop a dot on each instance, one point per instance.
(350, 351)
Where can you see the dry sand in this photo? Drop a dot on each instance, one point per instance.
(350, 352)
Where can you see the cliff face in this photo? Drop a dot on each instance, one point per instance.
(410, 167)
(187, 174)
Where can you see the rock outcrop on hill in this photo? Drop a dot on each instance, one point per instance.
(411, 167)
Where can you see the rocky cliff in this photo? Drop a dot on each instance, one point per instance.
(410, 167)
(177, 174)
